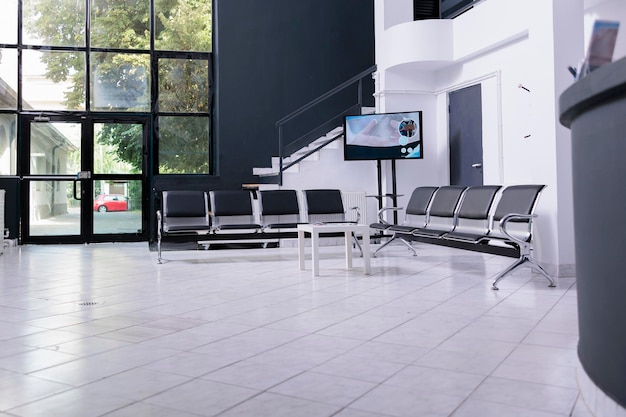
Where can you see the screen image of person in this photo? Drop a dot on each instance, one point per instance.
(379, 130)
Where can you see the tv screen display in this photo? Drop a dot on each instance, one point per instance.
(383, 136)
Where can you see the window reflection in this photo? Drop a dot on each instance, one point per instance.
(183, 85)
(53, 80)
(120, 24)
(53, 22)
(183, 145)
(120, 81)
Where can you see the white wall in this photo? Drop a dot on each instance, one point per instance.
(499, 45)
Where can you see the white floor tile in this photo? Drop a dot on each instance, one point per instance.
(244, 333)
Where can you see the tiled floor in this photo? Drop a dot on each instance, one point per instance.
(103, 330)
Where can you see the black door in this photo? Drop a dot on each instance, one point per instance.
(76, 184)
(466, 136)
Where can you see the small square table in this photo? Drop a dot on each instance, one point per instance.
(315, 229)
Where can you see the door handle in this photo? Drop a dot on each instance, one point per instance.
(477, 166)
(82, 175)
(76, 197)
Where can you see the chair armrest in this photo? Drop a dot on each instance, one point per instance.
(511, 217)
(385, 209)
(358, 213)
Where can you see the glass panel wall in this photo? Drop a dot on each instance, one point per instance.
(8, 78)
(118, 148)
(53, 209)
(120, 24)
(105, 62)
(117, 207)
(183, 145)
(183, 25)
(120, 82)
(53, 22)
(8, 22)
(8, 144)
(53, 80)
(183, 85)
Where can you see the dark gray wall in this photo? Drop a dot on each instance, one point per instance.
(272, 57)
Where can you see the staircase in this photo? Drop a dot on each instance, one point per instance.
(291, 163)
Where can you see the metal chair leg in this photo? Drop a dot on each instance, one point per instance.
(383, 245)
(408, 244)
(358, 245)
(159, 250)
(522, 260)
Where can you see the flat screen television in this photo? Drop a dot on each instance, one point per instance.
(383, 136)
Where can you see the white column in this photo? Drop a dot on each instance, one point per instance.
(556, 34)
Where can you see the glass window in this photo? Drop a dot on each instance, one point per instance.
(117, 206)
(120, 81)
(8, 22)
(183, 85)
(55, 148)
(53, 80)
(120, 24)
(183, 145)
(118, 148)
(183, 25)
(8, 78)
(8, 144)
(53, 22)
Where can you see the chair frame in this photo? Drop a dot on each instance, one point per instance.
(416, 213)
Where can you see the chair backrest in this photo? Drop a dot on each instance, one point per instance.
(185, 210)
(279, 209)
(324, 206)
(442, 210)
(474, 209)
(232, 209)
(518, 199)
(417, 207)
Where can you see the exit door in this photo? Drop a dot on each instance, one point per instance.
(83, 179)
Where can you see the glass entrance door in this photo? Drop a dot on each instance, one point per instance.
(84, 180)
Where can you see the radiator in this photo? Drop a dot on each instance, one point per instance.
(355, 199)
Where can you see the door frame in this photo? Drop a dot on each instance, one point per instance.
(86, 180)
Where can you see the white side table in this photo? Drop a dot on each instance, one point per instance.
(347, 229)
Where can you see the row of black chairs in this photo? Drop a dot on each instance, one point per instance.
(478, 215)
(232, 215)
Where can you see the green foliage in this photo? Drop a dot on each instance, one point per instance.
(183, 145)
(125, 140)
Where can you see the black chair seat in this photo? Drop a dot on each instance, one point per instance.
(282, 226)
(239, 227)
(380, 226)
(401, 229)
(464, 237)
(428, 233)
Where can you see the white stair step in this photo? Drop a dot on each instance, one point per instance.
(274, 169)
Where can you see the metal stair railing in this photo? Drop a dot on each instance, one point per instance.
(310, 134)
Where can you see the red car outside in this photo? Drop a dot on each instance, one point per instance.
(110, 202)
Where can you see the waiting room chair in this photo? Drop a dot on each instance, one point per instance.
(441, 216)
(232, 211)
(279, 209)
(473, 215)
(326, 206)
(513, 225)
(182, 212)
